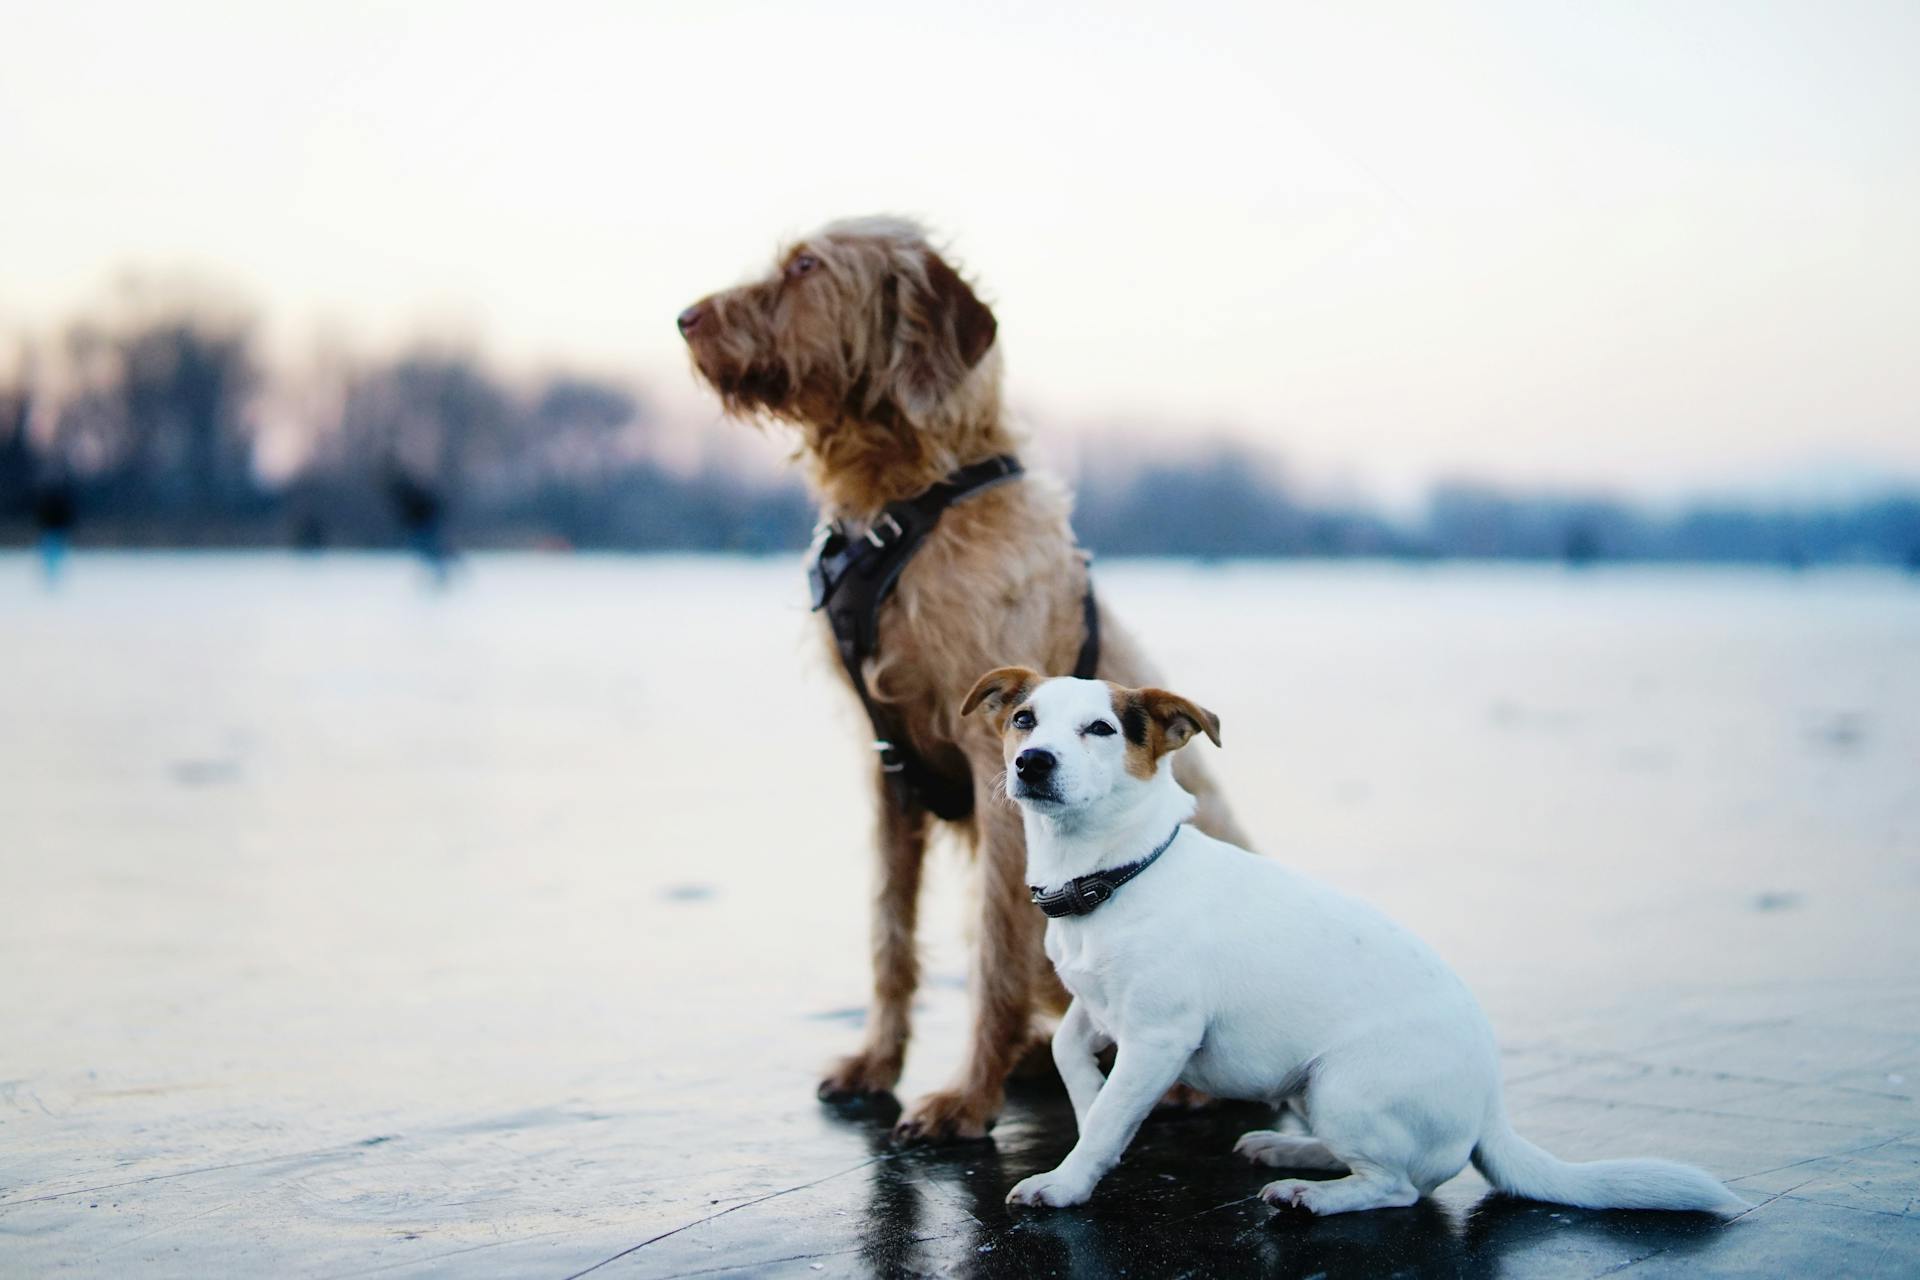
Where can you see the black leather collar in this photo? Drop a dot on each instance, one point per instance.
(1080, 895)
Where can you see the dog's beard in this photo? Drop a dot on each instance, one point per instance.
(751, 388)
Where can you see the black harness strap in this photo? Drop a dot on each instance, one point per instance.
(1083, 666)
(853, 574)
(1080, 895)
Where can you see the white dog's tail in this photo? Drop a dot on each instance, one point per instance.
(1517, 1167)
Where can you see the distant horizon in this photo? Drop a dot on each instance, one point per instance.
(696, 429)
(167, 428)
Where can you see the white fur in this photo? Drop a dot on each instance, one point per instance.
(1227, 972)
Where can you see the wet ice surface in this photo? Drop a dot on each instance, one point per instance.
(354, 929)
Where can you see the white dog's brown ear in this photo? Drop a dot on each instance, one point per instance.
(941, 331)
(1000, 688)
(1174, 720)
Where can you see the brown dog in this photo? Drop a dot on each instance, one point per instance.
(869, 344)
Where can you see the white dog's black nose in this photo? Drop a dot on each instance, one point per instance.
(1034, 764)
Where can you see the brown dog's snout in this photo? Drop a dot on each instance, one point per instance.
(690, 318)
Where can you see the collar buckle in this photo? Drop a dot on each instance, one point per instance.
(892, 533)
(1089, 892)
(1080, 895)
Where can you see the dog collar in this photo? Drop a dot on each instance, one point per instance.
(1080, 895)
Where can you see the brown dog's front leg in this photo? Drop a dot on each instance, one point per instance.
(901, 840)
(1007, 958)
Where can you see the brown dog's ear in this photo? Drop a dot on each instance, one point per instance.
(1176, 719)
(1000, 688)
(941, 332)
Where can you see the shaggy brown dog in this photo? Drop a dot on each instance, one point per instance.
(869, 344)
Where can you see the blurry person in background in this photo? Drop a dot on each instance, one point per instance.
(422, 515)
(54, 513)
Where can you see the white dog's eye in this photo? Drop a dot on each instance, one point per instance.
(1023, 719)
(1099, 729)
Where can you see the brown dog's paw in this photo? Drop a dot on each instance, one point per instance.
(1186, 1098)
(946, 1116)
(859, 1075)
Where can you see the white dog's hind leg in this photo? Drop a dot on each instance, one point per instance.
(1362, 1189)
(1279, 1150)
(1350, 1106)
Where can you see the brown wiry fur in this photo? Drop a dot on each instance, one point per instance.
(867, 343)
(880, 356)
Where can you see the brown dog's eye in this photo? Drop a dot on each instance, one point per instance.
(1023, 719)
(801, 265)
(1100, 729)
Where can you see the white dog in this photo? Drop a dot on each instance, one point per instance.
(1210, 967)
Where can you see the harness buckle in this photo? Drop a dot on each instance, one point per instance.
(890, 761)
(893, 530)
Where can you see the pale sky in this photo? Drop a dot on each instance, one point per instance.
(1643, 244)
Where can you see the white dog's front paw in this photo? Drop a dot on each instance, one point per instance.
(1050, 1191)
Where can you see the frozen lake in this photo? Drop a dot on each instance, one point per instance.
(355, 927)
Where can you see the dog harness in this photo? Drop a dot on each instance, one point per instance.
(853, 574)
(1080, 895)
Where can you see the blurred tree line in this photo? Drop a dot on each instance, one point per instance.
(148, 428)
(1470, 519)
(145, 429)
